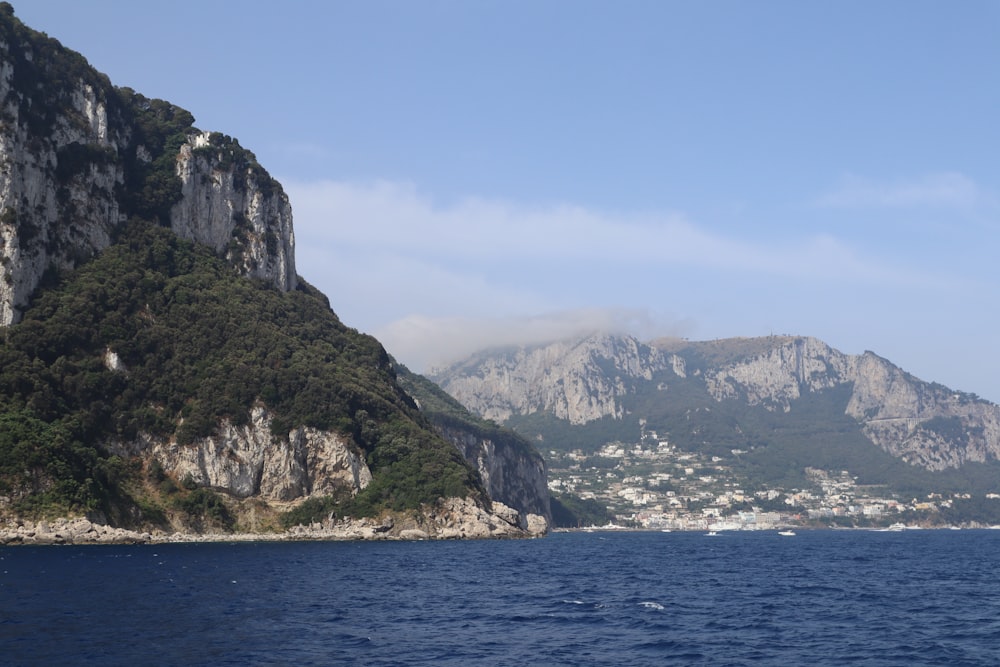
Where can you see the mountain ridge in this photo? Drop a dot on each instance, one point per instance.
(676, 386)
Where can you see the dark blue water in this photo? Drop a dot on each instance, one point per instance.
(819, 598)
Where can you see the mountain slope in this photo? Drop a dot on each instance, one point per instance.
(154, 344)
(81, 155)
(162, 365)
(512, 470)
(785, 403)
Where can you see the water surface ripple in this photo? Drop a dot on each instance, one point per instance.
(819, 598)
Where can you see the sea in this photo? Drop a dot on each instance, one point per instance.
(820, 597)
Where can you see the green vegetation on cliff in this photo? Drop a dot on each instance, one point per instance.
(196, 343)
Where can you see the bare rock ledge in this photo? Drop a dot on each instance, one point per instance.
(450, 518)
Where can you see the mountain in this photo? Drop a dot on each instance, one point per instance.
(772, 406)
(162, 364)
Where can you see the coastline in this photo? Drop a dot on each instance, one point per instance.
(450, 519)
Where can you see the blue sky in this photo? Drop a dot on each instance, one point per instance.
(472, 173)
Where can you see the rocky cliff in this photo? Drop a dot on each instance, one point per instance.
(78, 155)
(603, 377)
(511, 475)
(578, 381)
(250, 460)
(511, 469)
(145, 382)
(922, 423)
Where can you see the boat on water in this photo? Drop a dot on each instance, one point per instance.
(894, 528)
(786, 533)
(711, 533)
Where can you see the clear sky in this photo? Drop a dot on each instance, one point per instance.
(468, 173)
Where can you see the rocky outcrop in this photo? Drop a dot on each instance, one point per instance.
(448, 519)
(780, 375)
(460, 518)
(922, 423)
(58, 201)
(579, 381)
(234, 207)
(71, 146)
(68, 531)
(513, 475)
(249, 460)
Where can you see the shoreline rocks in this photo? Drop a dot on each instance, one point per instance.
(449, 519)
(68, 531)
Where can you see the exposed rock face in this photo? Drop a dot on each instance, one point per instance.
(459, 518)
(65, 152)
(58, 203)
(249, 461)
(448, 519)
(780, 375)
(236, 209)
(512, 476)
(578, 381)
(922, 423)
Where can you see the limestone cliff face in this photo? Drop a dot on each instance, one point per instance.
(781, 374)
(71, 146)
(58, 200)
(925, 424)
(922, 423)
(236, 209)
(511, 475)
(578, 381)
(250, 461)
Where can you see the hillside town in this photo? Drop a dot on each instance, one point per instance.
(653, 485)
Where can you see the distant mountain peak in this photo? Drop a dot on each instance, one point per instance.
(609, 377)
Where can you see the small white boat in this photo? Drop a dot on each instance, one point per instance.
(786, 533)
(711, 533)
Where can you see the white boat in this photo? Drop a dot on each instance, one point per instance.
(711, 533)
(786, 533)
(894, 528)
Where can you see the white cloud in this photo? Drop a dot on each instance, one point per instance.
(397, 219)
(423, 342)
(945, 189)
(435, 282)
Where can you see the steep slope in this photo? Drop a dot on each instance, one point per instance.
(156, 352)
(80, 156)
(162, 364)
(577, 381)
(511, 469)
(778, 399)
(922, 423)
